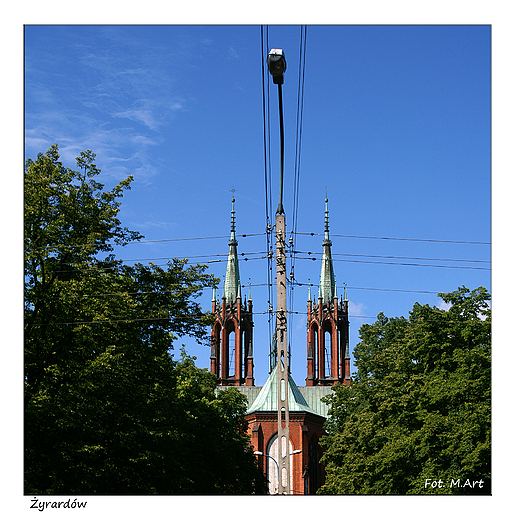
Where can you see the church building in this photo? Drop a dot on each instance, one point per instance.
(327, 345)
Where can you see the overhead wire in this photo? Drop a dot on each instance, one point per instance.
(299, 125)
(191, 317)
(264, 40)
(402, 263)
(133, 242)
(246, 235)
(297, 165)
(255, 285)
(445, 241)
(210, 258)
(367, 255)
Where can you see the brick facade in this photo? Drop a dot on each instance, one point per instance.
(305, 431)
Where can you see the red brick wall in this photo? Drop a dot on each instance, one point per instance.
(263, 426)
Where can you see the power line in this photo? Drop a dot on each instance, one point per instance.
(120, 320)
(312, 256)
(401, 238)
(103, 269)
(360, 316)
(178, 239)
(403, 264)
(399, 257)
(267, 168)
(299, 128)
(190, 318)
(297, 158)
(263, 284)
(245, 235)
(192, 256)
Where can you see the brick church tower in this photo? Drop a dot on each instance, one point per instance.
(232, 362)
(327, 326)
(231, 357)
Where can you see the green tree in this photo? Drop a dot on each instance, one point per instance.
(107, 408)
(416, 417)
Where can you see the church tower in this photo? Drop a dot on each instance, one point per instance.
(232, 362)
(231, 357)
(327, 326)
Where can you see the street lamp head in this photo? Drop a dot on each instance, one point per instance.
(277, 65)
(295, 452)
(258, 453)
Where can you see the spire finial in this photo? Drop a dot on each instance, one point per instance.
(233, 215)
(326, 220)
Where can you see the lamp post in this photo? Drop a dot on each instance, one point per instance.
(295, 452)
(270, 457)
(277, 65)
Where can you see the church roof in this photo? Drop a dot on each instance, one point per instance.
(267, 399)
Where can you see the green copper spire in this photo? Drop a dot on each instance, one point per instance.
(232, 281)
(327, 283)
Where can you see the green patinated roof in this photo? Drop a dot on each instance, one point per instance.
(310, 397)
(267, 399)
(313, 396)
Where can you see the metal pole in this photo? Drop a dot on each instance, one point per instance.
(275, 462)
(277, 65)
(282, 359)
(282, 149)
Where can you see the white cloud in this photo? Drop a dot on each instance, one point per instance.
(152, 224)
(116, 102)
(141, 114)
(232, 53)
(356, 309)
(177, 105)
(444, 306)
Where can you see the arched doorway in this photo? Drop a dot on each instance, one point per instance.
(273, 460)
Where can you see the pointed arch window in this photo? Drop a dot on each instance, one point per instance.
(327, 350)
(215, 347)
(314, 339)
(272, 469)
(231, 347)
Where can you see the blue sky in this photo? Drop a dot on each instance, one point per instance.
(396, 130)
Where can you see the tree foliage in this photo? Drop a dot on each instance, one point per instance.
(416, 418)
(108, 409)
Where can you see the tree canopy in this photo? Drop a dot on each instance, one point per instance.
(416, 418)
(108, 410)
